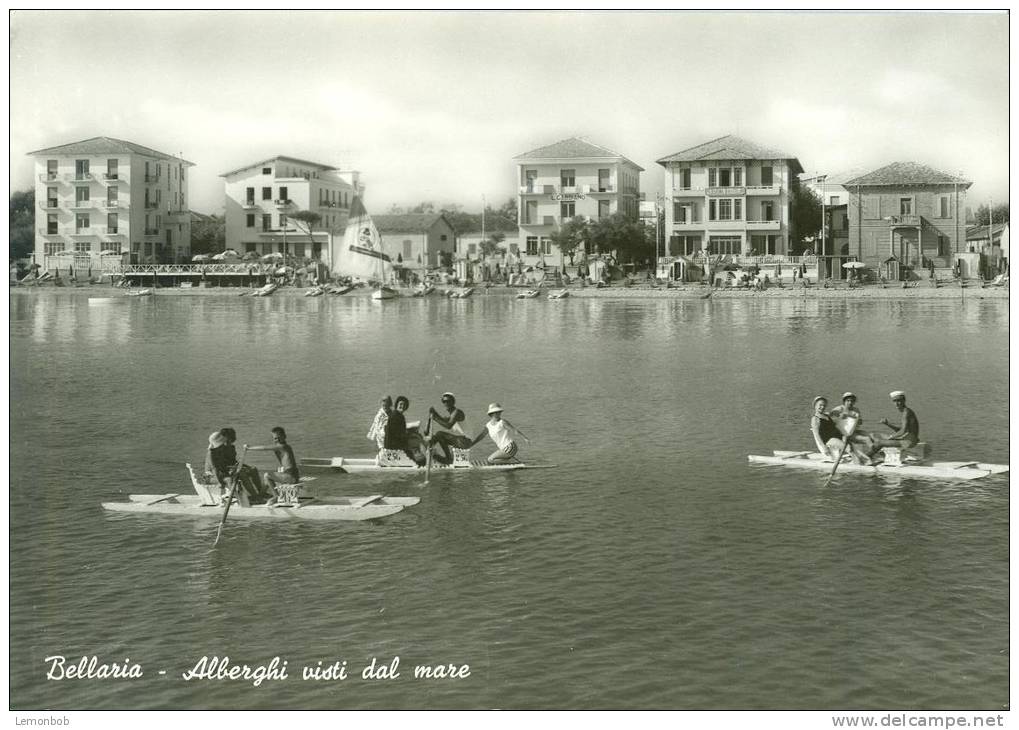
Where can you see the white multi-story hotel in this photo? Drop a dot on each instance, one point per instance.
(572, 177)
(728, 196)
(262, 197)
(105, 200)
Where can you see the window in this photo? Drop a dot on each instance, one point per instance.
(871, 207)
(81, 169)
(724, 244)
(603, 209)
(249, 246)
(283, 220)
(111, 168)
(82, 246)
(712, 210)
(835, 200)
(529, 177)
(737, 209)
(943, 248)
(567, 209)
(737, 176)
(758, 244)
(724, 209)
(443, 237)
(81, 195)
(283, 194)
(266, 193)
(684, 178)
(604, 180)
(530, 212)
(408, 248)
(266, 222)
(51, 169)
(724, 177)
(267, 171)
(266, 248)
(767, 210)
(568, 178)
(772, 247)
(250, 220)
(81, 222)
(112, 193)
(51, 248)
(299, 250)
(111, 222)
(472, 248)
(249, 194)
(532, 245)
(905, 206)
(944, 207)
(51, 224)
(546, 245)
(766, 175)
(51, 198)
(712, 178)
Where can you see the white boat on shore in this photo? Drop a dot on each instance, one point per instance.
(264, 291)
(559, 294)
(529, 294)
(384, 292)
(292, 505)
(917, 468)
(140, 293)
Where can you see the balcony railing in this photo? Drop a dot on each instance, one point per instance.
(250, 204)
(151, 231)
(730, 191)
(51, 177)
(80, 204)
(83, 177)
(152, 178)
(111, 176)
(905, 220)
(111, 204)
(51, 205)
(85, 231)
(763, 225)
(282, 202)
(596, 189)
(151, 204)
(764, 189)
(48, 232)
(687, 192)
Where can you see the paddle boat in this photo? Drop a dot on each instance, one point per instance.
(341, 290)
(315, 291)
(529, 294)
(914, 463)
(397, 462)
(140, 293)
(290, 504)
(264, 291)
(423, 290)
(464, 293)
(384, 292)
(559, 294)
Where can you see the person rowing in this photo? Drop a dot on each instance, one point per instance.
(451, 429)
(499, 430)
(397, 435)
(848, 419)
(826, 434)
(221, 465)
(908, 433)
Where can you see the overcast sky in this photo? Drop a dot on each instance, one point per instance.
(434, 106)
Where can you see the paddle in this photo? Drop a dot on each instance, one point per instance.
(845, 445)
(428, 451)
(230, 497)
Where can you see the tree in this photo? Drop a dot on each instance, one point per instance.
(806, 216)
(509, 210)
(208, 235)
(1000, 214)
(22, 221)
(620, 235)
(490, 246)
(571, 235)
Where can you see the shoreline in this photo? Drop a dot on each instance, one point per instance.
(635, 292)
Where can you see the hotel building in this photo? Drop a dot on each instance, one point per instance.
(261, 196)
(102, 202)
(572, 177)
(728, 196)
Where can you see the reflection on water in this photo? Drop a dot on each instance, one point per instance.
(654, 544)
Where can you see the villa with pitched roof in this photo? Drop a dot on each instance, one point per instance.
(907, 214)
(571, 177)
(103, 202)
(416, 240)
(729, 196)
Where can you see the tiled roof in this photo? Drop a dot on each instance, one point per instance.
(907, 173)
(730, 147)
(319, 165)
(980, 232)
(574, 147)
(406, 222)
(106, 145)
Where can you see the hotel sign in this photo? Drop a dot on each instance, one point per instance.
(727, 192)
(566, 196)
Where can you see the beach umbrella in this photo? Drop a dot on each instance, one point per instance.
(853, 265)
(200, 257)
(228, 254)
(109, 253)
(275, 255)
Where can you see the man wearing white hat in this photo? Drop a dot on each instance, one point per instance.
(908, 433)
(499, 430)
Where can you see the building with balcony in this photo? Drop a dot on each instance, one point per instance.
(572, 177)
(102, 202)
(909, 214)
(729, 196)
(262, 197)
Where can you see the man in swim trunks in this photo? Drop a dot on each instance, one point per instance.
(450, 432)
(908, 433)
(287, 472)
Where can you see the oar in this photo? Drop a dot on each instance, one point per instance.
(845, 445)
(517, 430)
(428, 451)
(230, 497)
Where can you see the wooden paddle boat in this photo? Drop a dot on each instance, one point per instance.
(265, 291)
(529, 294)
(914, 463)
(559, 294)
(397, 462)
(290, 504)
(140, 293)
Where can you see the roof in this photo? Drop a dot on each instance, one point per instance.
(407, 222)
(319, 165)
(107, 145)
(907, 173)
(976, 233)
(731, 147)
(574, 147)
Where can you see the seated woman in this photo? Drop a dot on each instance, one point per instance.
(848, 419)
(397, 436)
(826, 434)
(221, 463)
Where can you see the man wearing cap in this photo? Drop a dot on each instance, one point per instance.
(450, 429)
(848, 420)
(500, 433)
(908, 433)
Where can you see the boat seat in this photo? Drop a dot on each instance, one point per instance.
(394, 457)
(289, 495)
(461, 457)
(896, 457)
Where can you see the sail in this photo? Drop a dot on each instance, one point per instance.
(360, 254)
